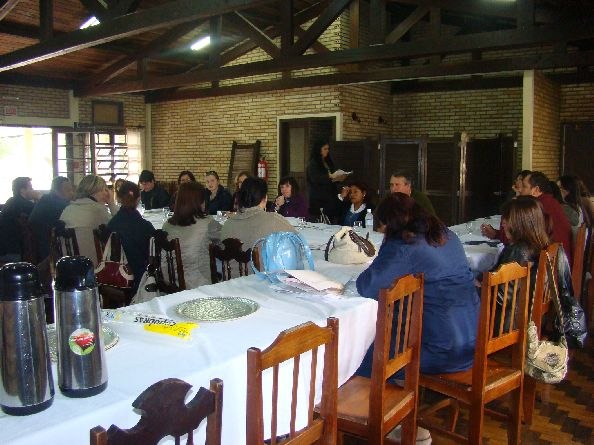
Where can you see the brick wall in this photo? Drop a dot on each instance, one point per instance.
(197, 134)
(481, 113)
(35, 102)
(546, 127)
(577, 102)
(134, 109)
(369, 102)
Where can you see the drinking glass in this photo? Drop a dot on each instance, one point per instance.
(141, 208)
(358, 226)
(300, 222)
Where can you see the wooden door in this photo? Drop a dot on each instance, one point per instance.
(488, 176)
(362, 158)
(442, 177)
(406, 155)
(577, 153)
(296, 139)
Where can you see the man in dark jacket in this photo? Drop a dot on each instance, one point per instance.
(153, 196)
(47, 212)
(17, 208)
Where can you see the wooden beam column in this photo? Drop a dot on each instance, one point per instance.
(377, 21)
(214, 54)
(46, 19)
(354, 16)
(525, 14)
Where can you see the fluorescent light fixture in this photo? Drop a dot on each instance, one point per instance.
(201, 43)
(92, 21)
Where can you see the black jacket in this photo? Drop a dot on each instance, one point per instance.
(321, 189)
(223, 201)
(11, 238)
(157, 198)
(44, 216)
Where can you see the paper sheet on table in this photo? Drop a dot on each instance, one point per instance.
(339, 172)
(316, 280)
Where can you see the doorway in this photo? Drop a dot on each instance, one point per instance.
(577, 149)
(296, 136)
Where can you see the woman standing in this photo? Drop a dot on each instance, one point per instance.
(320, 183)
(289, 201)
(134, 231)
(218, 199)
(416, 242)
(354, 204)
(195, 230)
(88, 211)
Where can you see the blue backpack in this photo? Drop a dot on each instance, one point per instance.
(282, 251)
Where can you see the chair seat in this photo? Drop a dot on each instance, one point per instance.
(500, 379)
(353, 404)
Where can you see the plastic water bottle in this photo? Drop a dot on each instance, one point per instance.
(369, 220)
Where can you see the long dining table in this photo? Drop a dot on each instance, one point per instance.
(218, 349)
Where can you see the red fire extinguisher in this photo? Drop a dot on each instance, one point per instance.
(263, 168)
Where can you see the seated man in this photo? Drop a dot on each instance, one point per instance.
(153, 196)
(19, 206)
(47, 212)
(401, 182)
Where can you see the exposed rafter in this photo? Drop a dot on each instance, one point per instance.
(259, 37)
(404, 26)
(445, 45)
(6, 6)
(172, 13)
(508, 65)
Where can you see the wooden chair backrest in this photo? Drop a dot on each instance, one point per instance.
(541, 299)
(170, 252)
(510, 331)
(290, 344)
(579, 258)
(164, 413)
(100, 236)
(405, 300)
(230, 251)
(62, 243)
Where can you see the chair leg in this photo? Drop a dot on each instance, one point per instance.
(515, 417)
(528, 398)
(475, 424)
(409, 429)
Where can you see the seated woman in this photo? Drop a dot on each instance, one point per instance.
(184, 177)
(252, 222)
(573, 205)
(416, 242)
(238, 181)
(195, 230)
(289, 201)
(217, 199)
(354, 204)
(525, 226)
(88, 211)
(134, 231)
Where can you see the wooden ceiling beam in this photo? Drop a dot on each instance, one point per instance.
(251, 31)
(514, 38)
(287, 28)
(377, 21)
(508, 65)
(150, 49)
(46, 19)
(405, 26)
(317, 46)
(472, 7)
(326, 18)
(168, 14)
(6, 6)
(29, 80)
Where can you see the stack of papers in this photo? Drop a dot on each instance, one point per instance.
(310, 281)
(338, 173)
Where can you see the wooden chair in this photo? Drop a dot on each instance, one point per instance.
(541, 304)
(100, 236)
(370, 408)
(62, 243)
(291, 344)
(228, 252)
(579, 257)
(164, 413)
(168, 252)
(113, 297)
(488, 379)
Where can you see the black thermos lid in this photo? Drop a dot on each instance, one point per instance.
(74, 273)
(19, 281)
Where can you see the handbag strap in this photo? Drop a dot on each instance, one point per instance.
(554, 293)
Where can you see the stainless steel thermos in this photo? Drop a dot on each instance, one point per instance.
(82, 370)
(26, 384)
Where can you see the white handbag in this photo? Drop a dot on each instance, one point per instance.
(347, 247)
(148, 288)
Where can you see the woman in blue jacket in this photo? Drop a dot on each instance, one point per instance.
(416, 242)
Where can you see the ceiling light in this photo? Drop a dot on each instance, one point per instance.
(201, 43)
(92, 21)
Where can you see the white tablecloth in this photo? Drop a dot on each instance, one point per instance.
(216, 350)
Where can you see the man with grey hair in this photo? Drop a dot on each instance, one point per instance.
(401, 182)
